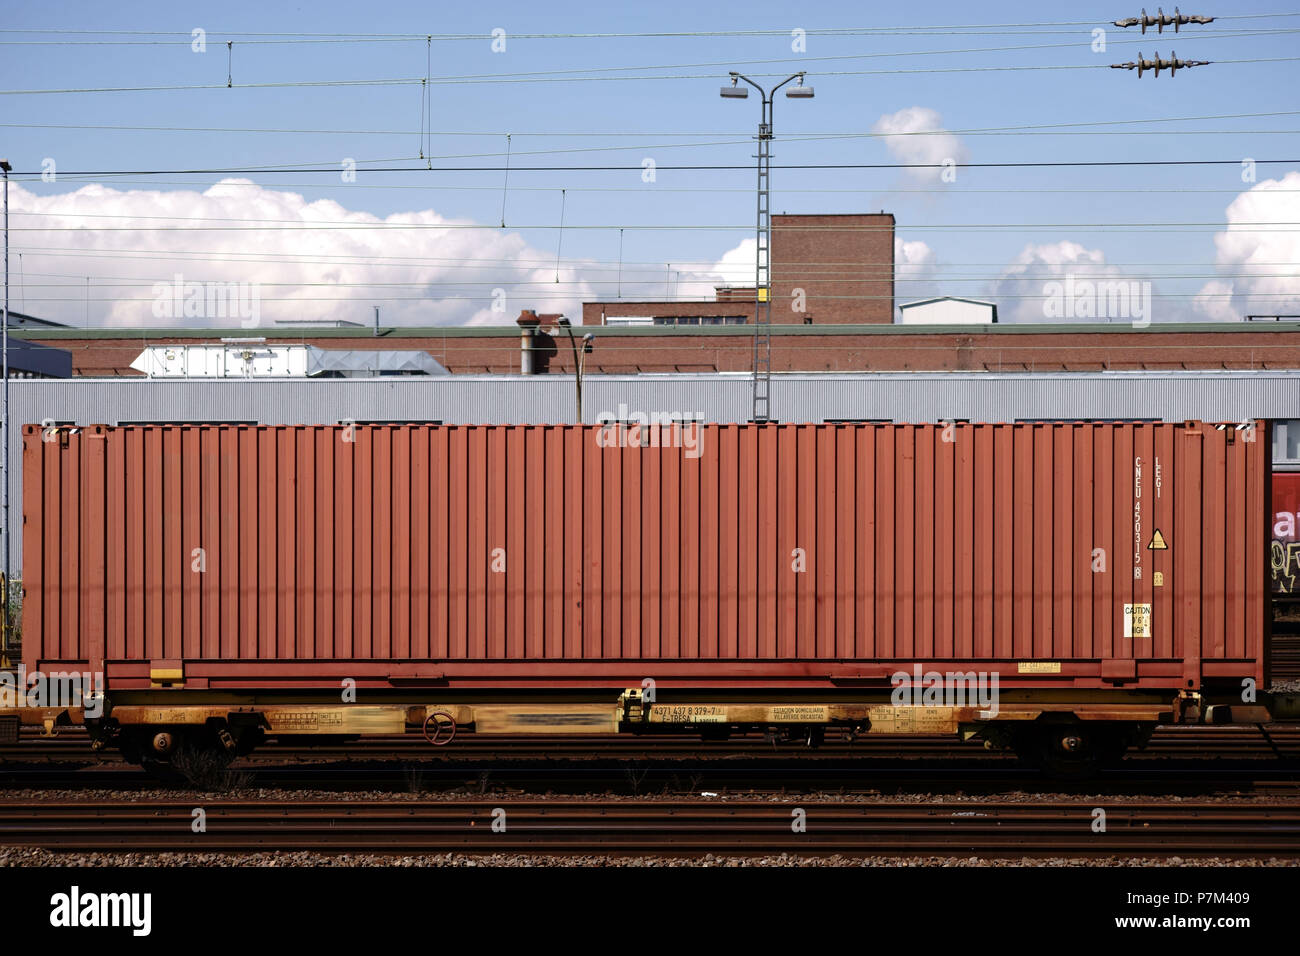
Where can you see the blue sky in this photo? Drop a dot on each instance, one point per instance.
(686, 221)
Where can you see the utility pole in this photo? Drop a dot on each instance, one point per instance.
(762, 360)
(4, 428)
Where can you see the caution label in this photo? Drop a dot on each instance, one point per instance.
(1158, 542)
(1137, 620)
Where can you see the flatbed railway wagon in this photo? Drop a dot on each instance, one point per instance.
(1059, 589)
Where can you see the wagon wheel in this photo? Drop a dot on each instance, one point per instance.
(440, 722)
(1069, 751)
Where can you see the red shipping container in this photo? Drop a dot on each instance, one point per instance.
(815, 556)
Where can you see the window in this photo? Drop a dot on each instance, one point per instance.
(1286, 442)
(700, 320)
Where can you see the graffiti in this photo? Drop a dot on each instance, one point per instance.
(1285, 560)
(1284, 550)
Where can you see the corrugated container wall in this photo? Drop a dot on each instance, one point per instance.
(729, 555)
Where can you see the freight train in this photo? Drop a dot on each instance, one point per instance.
(1057, 589)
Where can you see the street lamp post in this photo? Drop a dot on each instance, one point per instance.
(762, 376)
(4, 425)
(579, 358)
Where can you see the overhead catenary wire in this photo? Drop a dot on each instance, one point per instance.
(299, 226)
(841, 57)
(545, 295)
(32, 175)
(497, 78)
(427, 158)
(884, 30)
(648, 276)
(382, 260)
(946, 188)
(587, 133)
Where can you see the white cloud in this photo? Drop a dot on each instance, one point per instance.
(697, 280)
(916, 136)
(1214, 302)
(425, 275)
(1263, 262)
(1066, 282)
(915, 270)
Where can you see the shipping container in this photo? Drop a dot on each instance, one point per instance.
(821, 556)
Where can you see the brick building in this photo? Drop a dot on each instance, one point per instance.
(843, 265)
(807, 348)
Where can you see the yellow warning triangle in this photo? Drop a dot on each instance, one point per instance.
(1158, 542)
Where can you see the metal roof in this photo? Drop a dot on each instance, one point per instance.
(947, 298)
(33, 358)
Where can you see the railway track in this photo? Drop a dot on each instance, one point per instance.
(1188, 761)
(667, 827)
(1286, 651)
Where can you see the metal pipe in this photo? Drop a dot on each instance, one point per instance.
(526, 352)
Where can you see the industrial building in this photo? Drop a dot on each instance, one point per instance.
(948, 310)
(893, 347)
(835, 269)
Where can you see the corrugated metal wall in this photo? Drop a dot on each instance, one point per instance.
(720, 552)
(1228, 396)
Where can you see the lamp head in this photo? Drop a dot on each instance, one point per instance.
(735, 91)
(799, 91)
